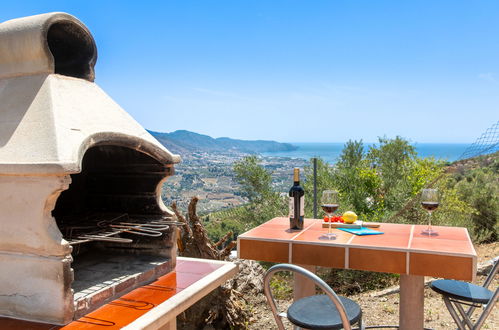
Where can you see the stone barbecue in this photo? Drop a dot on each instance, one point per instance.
(81, 215)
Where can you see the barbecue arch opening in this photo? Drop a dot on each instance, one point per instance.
(73, 49)
(113, 179)
(113, 218)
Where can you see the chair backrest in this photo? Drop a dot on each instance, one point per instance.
(493, 300)
(487, 310)
(492, 272)
(308, 274)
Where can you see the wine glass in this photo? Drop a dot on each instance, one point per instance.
(329, 204)
(429, 201)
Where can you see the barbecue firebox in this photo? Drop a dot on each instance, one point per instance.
(81, 215)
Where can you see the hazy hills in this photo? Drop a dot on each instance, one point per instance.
(183, 141)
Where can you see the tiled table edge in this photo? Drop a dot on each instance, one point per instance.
(348, 245)
(369, 247)
(475, 257)
(162, 314)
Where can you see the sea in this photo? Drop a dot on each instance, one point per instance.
(330, 152)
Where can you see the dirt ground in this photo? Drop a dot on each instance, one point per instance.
(382, 307)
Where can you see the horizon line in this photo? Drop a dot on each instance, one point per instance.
(316, 142)
(370, 142)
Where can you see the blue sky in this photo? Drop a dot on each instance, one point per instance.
(297, 71)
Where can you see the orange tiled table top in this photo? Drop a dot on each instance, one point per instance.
(401, 249)
(151, 305)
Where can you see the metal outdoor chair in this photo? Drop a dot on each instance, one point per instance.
(457, 293)
(328, 311)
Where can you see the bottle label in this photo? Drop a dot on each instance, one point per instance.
(302, 206)
(292, 207)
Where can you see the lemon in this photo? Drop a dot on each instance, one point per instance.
(349, 217)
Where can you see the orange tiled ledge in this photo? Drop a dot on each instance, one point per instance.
(151, 306)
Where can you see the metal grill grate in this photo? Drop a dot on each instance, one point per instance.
(107, 228)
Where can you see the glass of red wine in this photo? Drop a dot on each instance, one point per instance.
(430, 202)
(329, 204)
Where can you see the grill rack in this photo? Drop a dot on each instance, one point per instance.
(104, 227)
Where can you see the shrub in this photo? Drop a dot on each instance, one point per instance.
(480, 189)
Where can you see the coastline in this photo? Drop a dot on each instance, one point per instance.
(330, 152)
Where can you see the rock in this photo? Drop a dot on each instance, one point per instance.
(249, 279)
(486, 267)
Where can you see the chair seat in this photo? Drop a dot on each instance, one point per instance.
(462, 291)
(319, 312)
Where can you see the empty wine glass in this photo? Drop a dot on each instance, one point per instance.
(430, 202)
(329, 204)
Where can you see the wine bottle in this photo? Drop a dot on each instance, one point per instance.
(296, 202)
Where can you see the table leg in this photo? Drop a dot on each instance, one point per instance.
(411, 308)
(303, 287)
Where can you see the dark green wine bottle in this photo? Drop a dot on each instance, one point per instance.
(296, 203)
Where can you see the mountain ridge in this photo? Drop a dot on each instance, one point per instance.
(183, 141)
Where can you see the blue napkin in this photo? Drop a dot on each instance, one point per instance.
(361, 231)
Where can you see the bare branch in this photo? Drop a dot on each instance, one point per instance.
(180, 217)
(193, 217)
(223, 239)
(226, 251)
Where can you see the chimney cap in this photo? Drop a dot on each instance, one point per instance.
(47, 43)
